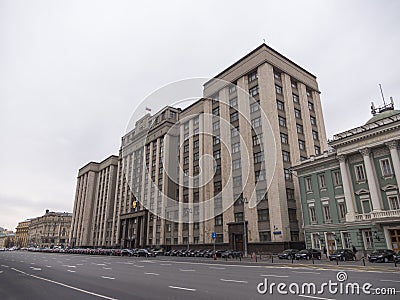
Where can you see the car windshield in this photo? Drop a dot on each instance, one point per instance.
(303, 251)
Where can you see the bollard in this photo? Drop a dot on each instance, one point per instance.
(240, 258)
(312, 259)
(260, 256)
(272, 259)
(363, 261)
(337, 262)
(256, 258)
(292, 259)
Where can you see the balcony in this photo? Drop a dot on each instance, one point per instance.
(376, 215)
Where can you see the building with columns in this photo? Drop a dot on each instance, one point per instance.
(350, 194)
(94, 204)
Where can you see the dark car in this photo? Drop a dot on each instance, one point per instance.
(342, 254)
(145, 253)
(397, 257)
(308, 254)
(231, 254)
(288, 254)
(381, 255)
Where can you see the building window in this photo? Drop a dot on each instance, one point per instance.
(196, 144)
(297, 113)
(365, 206)
(284, 138)
(337, 179)
(254, 107)
(186, 148)
(295, 98)
(196, 120)
(280, 105)
(302, 145)
(252, 76)
(263, 215)
(288, 175)
(258, 157)
(259, 175)
(286, 156)
(216, 125)
(277, 75)
(219, 238)
(233, 102)
(313, 217)
(232, 88)
(360, 174)
(236, 164)
(257, 139)
(256, 122)
(265, 236)
(308, 184)
(315, 135)
(294, 84)
(186, 126)
(235, 148)
(253, 91)
(386, 168)
(216, 140)
(394, 202)
(237, 180)
(299, 128)
(327, 213)
(317, 150)
(215, 111)
(218, 220)
(217, 186)
(310, 106)
(342, 210)
(217, 154)
(186, 160)
(239, 217)
(316, 242)
(172, 115)
(321, 179)
(234, 116)
(278, 89)
(234, 131)
(196, 156)
(290, 194)
(282, 121)
(313, 120)
(368, 239)
(261, 195)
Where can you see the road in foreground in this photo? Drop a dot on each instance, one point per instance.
(30, 275)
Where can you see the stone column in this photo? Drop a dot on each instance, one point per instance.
(348, 196)
(392, 145)
(373, 190)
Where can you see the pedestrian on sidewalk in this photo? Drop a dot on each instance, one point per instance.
(325, 252)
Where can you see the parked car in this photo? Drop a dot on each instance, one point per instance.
(231, 254)
(342, 254)
(381, 255)
(127, 252)
(397, 257)
(308, 254)
(145, 253)
(158, 251)
(288, 254)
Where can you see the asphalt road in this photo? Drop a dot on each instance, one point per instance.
(33, 275)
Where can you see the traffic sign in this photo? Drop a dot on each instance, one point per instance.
(213, 235)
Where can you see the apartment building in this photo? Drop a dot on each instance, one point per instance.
(21, 234)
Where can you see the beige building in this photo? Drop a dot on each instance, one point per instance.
(51, 229)
(21, 236)
(7, 238)
(221, 165)
(94, 204)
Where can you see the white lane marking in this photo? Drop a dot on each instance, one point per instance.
(217, 268)
(106, 277)
(231, 280)
(301, 272)
(1, 272)
(106, 268)
(32, 263)
(181, 288)
(187, 270)
(139, 266)
(69, 266)
(4, 266)
(79, 264)
(21, 261)
(36, 269)
(156, 274)
(99, 264)
(165, 264)
(279, 276)
(65, 285)
(72, 271)
(48, 266)
(148, 261)
(313, 297)
(388, 280)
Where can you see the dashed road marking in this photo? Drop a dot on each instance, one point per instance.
(106, 277)
(155, 274)
(181, 288)
(305, 272)
(137, 266)
(217, 268)
(5, 266)
(165, 264)
(72, 271)
(231, 280)
(388, 280)
(187, 270)
(69, 266)
(105, 268)
(278, 276)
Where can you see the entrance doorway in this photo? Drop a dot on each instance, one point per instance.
(330, 242)
(395, 239)
(237, 241)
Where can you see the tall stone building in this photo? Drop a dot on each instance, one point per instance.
(94, 204)
(220, 167)
(21, 235)
(51, 229)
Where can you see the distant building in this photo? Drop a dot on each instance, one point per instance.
(7, 238)
(51, 229)
(21, 236)
(350, 194)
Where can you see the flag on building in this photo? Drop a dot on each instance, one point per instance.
(148, 109)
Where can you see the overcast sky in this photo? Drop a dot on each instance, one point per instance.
(72, 73)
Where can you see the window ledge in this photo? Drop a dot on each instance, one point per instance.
(323, 190)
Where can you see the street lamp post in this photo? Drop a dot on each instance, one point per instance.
(244, 226)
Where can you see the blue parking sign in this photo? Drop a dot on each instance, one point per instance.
(213, 235)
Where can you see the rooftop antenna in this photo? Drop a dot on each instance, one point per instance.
(264, 41)
(383, 98)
